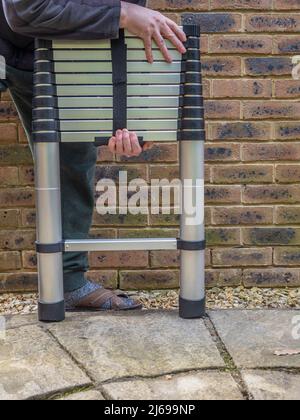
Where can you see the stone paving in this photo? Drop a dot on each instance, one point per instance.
(230, 355)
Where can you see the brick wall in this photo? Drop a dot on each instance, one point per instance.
(252, 154)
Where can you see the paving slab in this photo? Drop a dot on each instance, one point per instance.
(16, 321)
(206, 385)
(149, 343)
(84, 396)
(273, 385)
(33, 364)
(252, 337)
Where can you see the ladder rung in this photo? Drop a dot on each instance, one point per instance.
(136, 244)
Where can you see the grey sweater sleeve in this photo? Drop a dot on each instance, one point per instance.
(71, 19)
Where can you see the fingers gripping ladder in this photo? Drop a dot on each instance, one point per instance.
(83, 92)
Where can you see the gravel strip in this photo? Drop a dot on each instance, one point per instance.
(224, 298)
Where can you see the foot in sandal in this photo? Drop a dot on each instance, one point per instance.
(92, 297)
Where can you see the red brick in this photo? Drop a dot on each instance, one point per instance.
(268, 66)
(8, 133)
(149, 279)
(9, 218)
(286, 5)
(161, 152)
(26, 174)
(223, 277)
(242, 215)
(241, 131)
(287, 89)
(288, 173)
(241, 257)
(287, 131)
(119, 259)
(179, 4)
(18, 282)
(279, 277)
(222, 152)
(271, 151)
(107, 278)
(16, 197)
(17, 240)
(8, 176)
(268, 194)
(7, 112)
(270, 110)
(221, 66)
(240, 44)
(164, 259)
(28, 217)
(29, 260)
(242, 174)
(287, 215)
(10, 260)
(275, 22)
(221, 194)
(229, 110)
(242, 88)
(288, 256)
(223, 236)
(284, 44)
(241, 4)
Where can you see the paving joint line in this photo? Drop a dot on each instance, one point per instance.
(54, 395)
(62, 347)
(228, 360)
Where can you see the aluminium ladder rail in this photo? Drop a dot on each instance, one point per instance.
(83, 92)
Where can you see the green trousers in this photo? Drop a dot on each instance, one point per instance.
(78, 161)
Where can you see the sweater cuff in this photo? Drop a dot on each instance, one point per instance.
(115, 26)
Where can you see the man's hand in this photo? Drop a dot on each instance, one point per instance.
(150, 25)
(126, 143)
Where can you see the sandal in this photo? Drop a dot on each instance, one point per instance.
(95, 301)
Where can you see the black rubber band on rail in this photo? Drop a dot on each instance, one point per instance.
(191, 135)
(40, 102)
(45, 114)
(194, 101)
(193, 78)
(50, 248)
(53, 137)
(45, 90)
(191, 89)
(193, 54)
(119, 76)
(193, 66)
(193, 43)
(44, 78)
(186, 113)
(103, 141)
(50, 125)
(198, 124)
(42, 43)
(45, 131)
(43, 67)
(191, 245)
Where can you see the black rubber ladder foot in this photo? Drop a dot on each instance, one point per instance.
(54, 312)
(191, 309)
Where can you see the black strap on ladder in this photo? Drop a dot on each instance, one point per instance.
(119, 76)
(119, 81)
